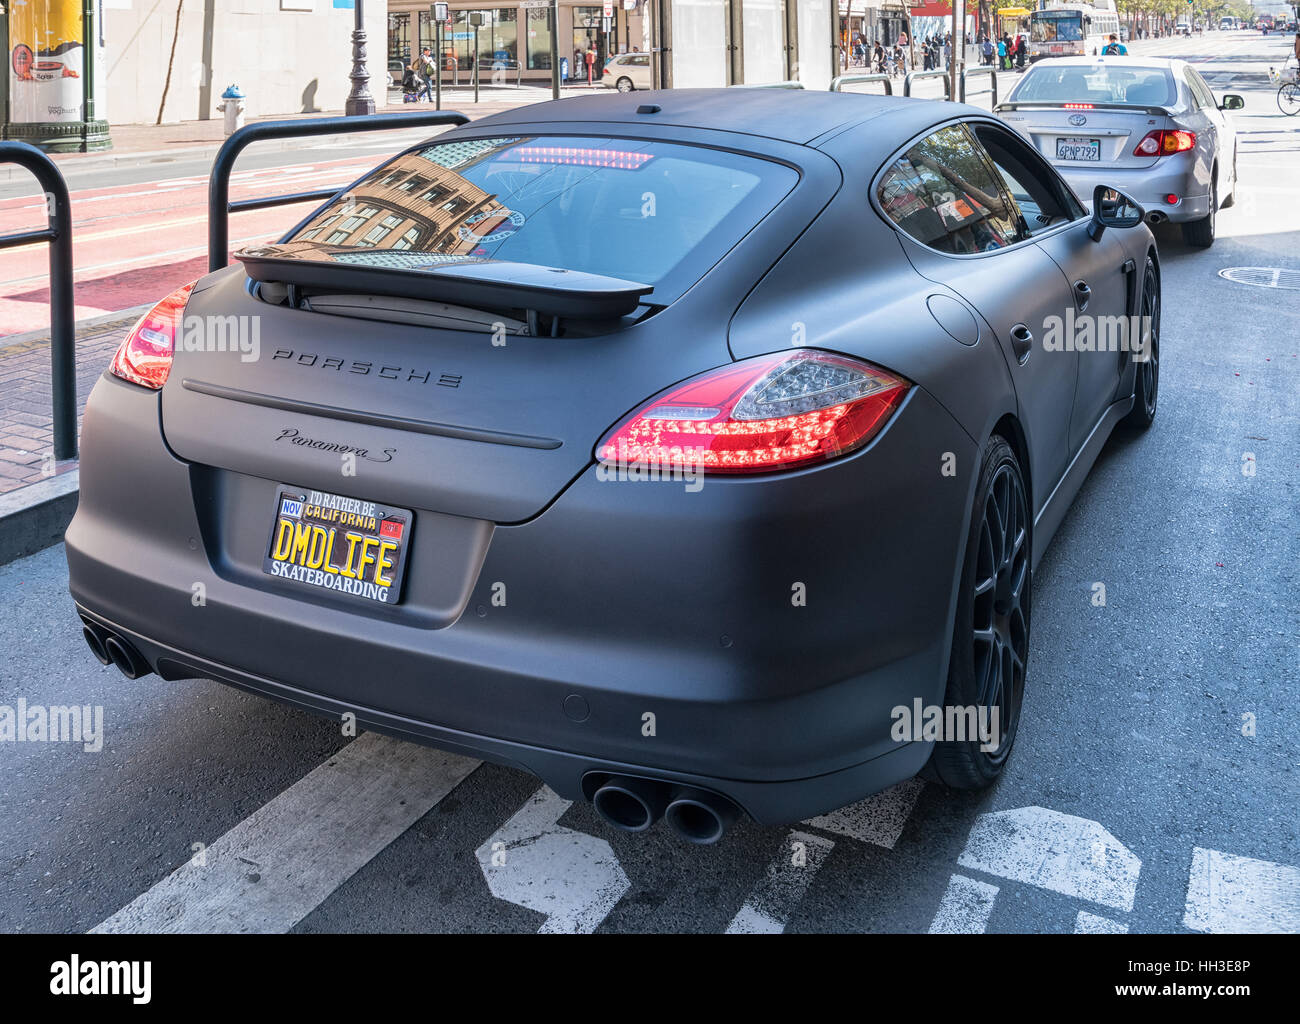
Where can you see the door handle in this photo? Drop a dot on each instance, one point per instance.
(1082, 293)
(1022, 342)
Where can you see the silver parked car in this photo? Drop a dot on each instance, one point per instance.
(628, 72)
(1151, 127)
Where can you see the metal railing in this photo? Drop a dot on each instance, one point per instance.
(768, 85)
(912, 76)
(491, 67)
(992, 72)
(838, 84)
(219, 205)
(63, 338)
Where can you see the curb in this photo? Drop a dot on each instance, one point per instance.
(34, 517)
(8, 341)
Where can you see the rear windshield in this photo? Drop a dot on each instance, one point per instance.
(1109, 83)
(651, 212)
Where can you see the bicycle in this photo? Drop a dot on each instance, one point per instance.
(1288, 93)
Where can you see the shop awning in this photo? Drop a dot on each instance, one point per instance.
(1014, 12)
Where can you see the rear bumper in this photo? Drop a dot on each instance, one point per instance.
(547, 644)
(1171, 175)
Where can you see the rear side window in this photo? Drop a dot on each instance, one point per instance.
(1102, 83)
(653, 212)
(944, 194)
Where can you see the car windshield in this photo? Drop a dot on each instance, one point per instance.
(1108, 83)
(624, 208)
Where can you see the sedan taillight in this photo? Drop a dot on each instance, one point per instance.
(145, 355)
(1164, 142)
(759, 415)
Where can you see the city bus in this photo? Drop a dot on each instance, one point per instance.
(1071, 29)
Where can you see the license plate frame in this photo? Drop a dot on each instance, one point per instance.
(1072, 144)
(328, 522)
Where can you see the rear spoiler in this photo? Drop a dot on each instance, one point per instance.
(1129, 107)
(481, 284)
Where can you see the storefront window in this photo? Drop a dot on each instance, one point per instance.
(539, 40)
(587, 37)
(399, 37)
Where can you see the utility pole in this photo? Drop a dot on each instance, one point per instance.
(958, 48)
(439, 14)
(555, 49)
(476, 20)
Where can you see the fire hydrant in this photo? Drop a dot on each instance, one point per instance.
(233, 106)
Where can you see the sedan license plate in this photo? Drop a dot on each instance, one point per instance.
(340, 544)
(1078, 149)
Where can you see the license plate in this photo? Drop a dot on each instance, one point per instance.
(1078, 149)
(343, 545)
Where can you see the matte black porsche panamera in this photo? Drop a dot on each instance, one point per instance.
(659, 446)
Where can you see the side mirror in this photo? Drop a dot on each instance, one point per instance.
(1231, 101)
(1112, 208)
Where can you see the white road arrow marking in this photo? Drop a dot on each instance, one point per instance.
(965, 907)
(277, 865)
(572, 878)
(773, 900)
(1095, 924)
(1059, 852)
(1230, 894)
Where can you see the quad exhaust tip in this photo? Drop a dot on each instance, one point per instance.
(633, 804)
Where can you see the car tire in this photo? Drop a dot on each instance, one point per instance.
(1200, 233)
(990, 645)
(625, 84)
(1146, 385)
(1232, 196)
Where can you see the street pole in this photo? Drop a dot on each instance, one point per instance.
(437, 62)
(475, 59)
(958, 24)
(555, 49)
(359, 102)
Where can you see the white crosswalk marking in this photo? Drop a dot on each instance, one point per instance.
(1045, 848)
(1095, 924)
(965, 907)
(572, 878)
(1230, 894)
(769, 906)
(878, 819)
(277, 865)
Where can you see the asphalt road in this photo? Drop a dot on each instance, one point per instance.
(1133, 802)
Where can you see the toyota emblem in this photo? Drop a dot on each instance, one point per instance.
(1078, 119)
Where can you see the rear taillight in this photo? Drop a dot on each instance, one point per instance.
(145, 355)
(1165, 141)
(759, 415)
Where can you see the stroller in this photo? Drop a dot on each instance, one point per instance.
(412, 86)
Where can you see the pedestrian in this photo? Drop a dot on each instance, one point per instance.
(947, 53)
(986, 51)
(1114, 48)
(878, 58)
(1002, 53)
(1021, 46)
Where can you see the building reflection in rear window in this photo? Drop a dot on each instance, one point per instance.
(621, 207)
